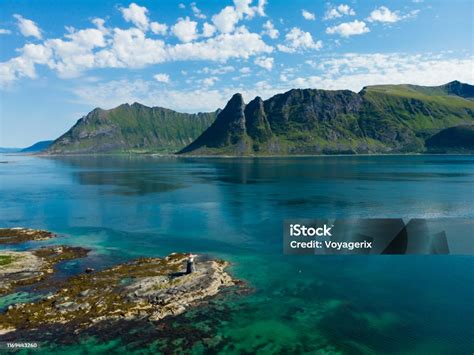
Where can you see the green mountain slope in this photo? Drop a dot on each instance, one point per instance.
(378, 119)
(131, 128)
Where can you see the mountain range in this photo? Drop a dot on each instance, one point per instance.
(378, 119)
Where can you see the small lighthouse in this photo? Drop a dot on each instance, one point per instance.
(190, 268)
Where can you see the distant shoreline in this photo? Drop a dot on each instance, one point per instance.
(178, 156)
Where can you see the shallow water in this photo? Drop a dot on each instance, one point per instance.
(125, 207)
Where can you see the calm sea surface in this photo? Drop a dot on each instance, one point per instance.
(126, 207)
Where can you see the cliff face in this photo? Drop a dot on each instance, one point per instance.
(379, 119)
(135, 128)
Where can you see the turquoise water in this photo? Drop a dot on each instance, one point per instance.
(125, 207)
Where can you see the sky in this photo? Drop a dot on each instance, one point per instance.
(59, 62)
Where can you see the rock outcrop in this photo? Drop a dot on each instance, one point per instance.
(148, 288)
(20, 235)
(20, 268)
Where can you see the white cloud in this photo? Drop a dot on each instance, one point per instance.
(28, 28)
(339, 11)
(308, 15)
(348, 29)
(264, 62)
(200, 99)
(162, 78)
(197, 12)
(136, 15)
(4, 31)
(385, 15)
(226, 20)
(106, 47)
(296, 39)
(241, 44)
(245, 70)
(209, 81)
(347, 71)
(131, 48)
(219, 70)
(185, 30)
(270, 30)
(182, 6)
(158, 28)
(353, 71)
(243, 8)
(261, 7)
(208, 30)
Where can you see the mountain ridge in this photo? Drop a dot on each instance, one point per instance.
(378, 119)
(131, 128)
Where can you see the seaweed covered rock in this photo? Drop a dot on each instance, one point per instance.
(150, 288)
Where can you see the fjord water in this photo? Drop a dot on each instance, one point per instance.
(124, 207)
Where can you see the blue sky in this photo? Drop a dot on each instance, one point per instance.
(58, 62)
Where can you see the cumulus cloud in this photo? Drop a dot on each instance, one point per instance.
(228, 18)
(162, 78)
(91, 48)
(264, 62)
(4, 31)
(207, 82)
(296, 39)
(158, 28)
(384, 14)
(339, 11)
(348, 29)
(208, 30)
(240, 44)
(185, 30)
(138, 15)
(28, 28)
(308, 15)
(270, 30)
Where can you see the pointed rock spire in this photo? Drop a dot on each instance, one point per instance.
(228, 128)
(257, 124)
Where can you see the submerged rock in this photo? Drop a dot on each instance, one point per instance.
(20, 235)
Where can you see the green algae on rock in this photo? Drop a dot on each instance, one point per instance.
(20, 268)
(20, 235)
(147, 288)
